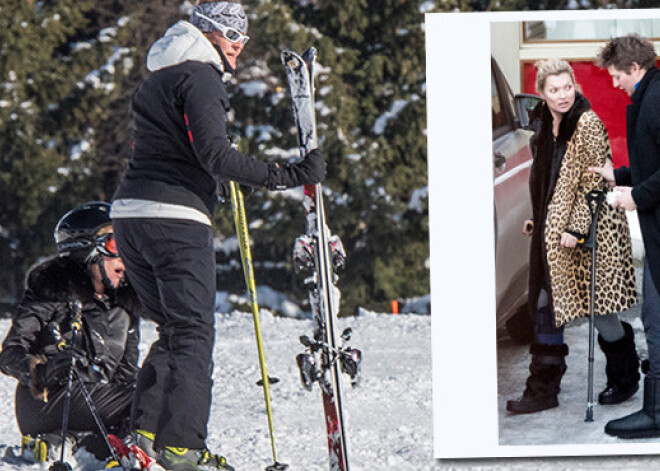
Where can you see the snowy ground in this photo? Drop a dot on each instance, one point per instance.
(565, 424)
(389, 421)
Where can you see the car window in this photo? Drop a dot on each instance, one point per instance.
(510, 98)
(499, 117)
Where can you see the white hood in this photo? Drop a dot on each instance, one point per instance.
(182, 42)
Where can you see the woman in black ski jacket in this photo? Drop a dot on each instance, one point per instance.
(38, 348)
(163, 211)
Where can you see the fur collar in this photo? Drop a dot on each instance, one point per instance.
(542, 119)
(60, 279)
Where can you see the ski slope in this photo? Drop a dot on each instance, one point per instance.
(388, 415)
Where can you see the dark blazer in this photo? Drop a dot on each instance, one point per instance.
(643, 174)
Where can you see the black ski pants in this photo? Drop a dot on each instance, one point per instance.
(171, 265)
(111, 400)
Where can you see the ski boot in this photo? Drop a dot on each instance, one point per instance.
(187, 459)
(36, 450)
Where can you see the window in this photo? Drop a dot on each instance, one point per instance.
(589, 30)
(499, 117)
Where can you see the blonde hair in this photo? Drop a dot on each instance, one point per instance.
(547, 67)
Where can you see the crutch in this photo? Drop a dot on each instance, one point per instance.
(595, 200)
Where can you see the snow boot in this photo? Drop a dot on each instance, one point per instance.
(187, 459)
(622, 368)
(546, 370)
(644, 423)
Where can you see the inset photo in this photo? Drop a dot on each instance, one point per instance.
(546, 345)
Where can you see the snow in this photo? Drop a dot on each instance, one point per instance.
(388, 421)
(417, 199)
(426, 6)
(107, 34)
(551, 426)
(254, 88)
(78, 149)
(262, 132)
(381, 122)
(276, 152)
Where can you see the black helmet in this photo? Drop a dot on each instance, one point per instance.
(76, 232)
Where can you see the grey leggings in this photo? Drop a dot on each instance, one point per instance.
(608, 326)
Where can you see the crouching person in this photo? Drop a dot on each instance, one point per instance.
(86, 279)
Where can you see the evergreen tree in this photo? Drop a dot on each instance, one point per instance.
(55, 80)
(371, 122)
(69, 68)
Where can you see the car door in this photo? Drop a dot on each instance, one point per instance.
(512, 161)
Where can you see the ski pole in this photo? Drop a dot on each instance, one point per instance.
(99, 422)
(61, 344)
(594, 197)
(75, 306)
(240, 220)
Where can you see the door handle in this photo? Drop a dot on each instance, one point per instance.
(499, 160)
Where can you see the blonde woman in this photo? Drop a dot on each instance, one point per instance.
(569, 138)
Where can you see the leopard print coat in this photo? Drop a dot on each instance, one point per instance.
(570, 269)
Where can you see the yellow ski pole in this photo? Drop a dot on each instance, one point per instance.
(240, 220)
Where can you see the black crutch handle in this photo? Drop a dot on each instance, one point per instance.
(595, 200)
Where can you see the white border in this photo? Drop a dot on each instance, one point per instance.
(461, 232)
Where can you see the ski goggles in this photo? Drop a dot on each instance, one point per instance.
(230, 34)
(107, 245)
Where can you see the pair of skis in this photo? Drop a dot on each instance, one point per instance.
(319, 254)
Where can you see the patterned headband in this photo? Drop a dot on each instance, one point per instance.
(228, 14)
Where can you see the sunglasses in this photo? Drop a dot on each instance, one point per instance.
(106, 245)
(230, 34)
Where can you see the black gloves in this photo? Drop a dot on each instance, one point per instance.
(54, 372)
(308, 171)
(224, 191)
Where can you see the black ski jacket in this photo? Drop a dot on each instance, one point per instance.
(180, 146)
(110, 333)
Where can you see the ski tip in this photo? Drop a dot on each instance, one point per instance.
(310, 55)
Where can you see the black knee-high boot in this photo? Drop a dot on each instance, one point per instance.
(622, 367)
(644, 423)
(546, 370)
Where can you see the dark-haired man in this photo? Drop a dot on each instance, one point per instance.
(630, 61)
